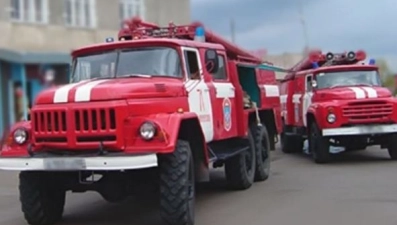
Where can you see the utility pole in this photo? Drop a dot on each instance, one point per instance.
(304, 27)
(233, 30)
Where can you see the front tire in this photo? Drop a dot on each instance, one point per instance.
(262, 145)
(42, 199)
(318, 145)
(177, 185)
(392, 146)
(240, 169)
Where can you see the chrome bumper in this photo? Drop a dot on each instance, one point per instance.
(79, 163)
(361, 130)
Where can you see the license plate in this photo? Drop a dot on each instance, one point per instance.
(64, 164)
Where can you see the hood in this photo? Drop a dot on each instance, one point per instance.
(113, 89)
(357, 92)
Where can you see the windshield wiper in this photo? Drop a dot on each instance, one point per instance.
(136, 75)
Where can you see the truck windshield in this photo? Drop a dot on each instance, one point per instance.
(152, 61)
(347, 78)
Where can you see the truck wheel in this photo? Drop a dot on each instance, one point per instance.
(262, 144)
(240, 169)
(177, 185)
(392, 146)
(42, 201)
(290, 144)
(318, 145)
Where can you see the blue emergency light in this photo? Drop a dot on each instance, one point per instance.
(109, 39)
(315, 65)
(200, 34)
(372, 62)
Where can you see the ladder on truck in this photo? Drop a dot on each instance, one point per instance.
(316, 59)
(135, 29)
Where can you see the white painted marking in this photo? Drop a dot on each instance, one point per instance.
(283, 99)
(224, 90)
(296, 98)
(307, 101)
(371, 92)
(200, 103)
(359, 92)
(83, 93)
(272, 90)
(61, 94)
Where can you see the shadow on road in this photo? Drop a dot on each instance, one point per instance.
(355, 157)
(141, 210)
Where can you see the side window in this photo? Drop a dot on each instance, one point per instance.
(309, 79)
(221, 73)
(192, 64)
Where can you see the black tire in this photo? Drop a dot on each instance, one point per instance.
(290, 144)
(41, 198)
(240, 169)
(318, 145)
(177, 185)
(262, 145)
(392, 146)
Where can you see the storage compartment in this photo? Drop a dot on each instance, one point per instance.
(248, 81)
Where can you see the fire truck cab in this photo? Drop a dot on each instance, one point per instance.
(336, 100)
(155, 108)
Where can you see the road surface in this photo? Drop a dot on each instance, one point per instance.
(356, 189)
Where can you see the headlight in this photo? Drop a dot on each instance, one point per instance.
(147, 130)
(331, 118)
(20, 136)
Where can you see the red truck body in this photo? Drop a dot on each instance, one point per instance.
(142, 117)
(336, 100)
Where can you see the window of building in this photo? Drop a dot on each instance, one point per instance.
(80, 13)
(132, 8)
(30, 11)
(221, 73)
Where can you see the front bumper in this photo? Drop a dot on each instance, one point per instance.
(361, 130)
(79, 163)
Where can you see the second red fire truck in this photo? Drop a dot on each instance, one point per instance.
(336, 100)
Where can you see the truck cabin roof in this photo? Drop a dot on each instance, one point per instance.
(106, 46)
(351, 67)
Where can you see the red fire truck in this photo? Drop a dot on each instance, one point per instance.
(156, 107)
(336, 100)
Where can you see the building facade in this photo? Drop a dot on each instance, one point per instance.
(38, 35)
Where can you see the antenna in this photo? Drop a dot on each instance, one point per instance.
(304, 27)
(233, 30)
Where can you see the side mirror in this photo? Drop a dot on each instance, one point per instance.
(211, 61)
(314, 84)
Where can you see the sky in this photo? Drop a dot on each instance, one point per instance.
(275, 25)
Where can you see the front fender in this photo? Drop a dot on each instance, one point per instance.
(168, 126)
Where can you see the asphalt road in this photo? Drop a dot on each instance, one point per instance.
(357, 188)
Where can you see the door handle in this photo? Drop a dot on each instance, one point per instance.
(206, 90)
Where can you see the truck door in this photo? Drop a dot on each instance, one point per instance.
(307, 97)
(224, 110)
(199, 96)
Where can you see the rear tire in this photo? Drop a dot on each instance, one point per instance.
(392, 146)
(262, 145)
(318, 145)
(290, 144)
(177, 185)
(42, 199)
(240, 169)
